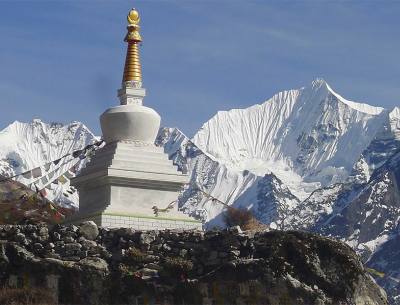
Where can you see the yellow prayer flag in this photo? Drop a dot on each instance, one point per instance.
(62, 179)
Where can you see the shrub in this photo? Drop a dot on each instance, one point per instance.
(134, 256)
(178, 265)
(242, 218)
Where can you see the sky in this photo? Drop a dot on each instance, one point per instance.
(62, 60)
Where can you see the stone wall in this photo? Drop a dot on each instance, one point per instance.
(89, 265)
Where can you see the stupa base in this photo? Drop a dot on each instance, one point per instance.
(137, 222)
(131, 185)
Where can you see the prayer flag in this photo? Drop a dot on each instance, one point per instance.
(44, 180)
(74, 168)
(37, 172)
(50, 175)
(57, 216)
(43, 193)
(47, 166)
(36, 188)
(57, 161)
(27, 175)
(68, 174)
(77, 153)
(62, 179)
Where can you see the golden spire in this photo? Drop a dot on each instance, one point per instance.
(133, 70)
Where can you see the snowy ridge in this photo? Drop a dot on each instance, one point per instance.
(357, 106)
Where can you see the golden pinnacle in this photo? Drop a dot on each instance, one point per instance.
(133, 69)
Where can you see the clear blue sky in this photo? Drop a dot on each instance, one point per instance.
(63, 60)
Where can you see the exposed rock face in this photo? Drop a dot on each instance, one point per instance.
(123, 266)
(274, 201)
(386, 260)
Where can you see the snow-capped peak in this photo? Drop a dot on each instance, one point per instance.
(311, 133)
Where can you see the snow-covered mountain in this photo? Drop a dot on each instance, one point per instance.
(25, 146)
(305, 142)
(312, 133)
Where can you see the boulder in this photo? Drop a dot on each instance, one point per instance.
(89, 230)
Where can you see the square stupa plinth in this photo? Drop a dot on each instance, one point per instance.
(124, 181)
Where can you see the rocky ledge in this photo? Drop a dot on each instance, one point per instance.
(89, 265)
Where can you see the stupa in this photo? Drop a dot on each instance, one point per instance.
(130, 182)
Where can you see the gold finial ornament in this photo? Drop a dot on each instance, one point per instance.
(133, 17)
(133, 70)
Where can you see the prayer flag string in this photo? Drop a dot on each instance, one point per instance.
(37, 171)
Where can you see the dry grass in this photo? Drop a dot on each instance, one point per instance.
(25, 296)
